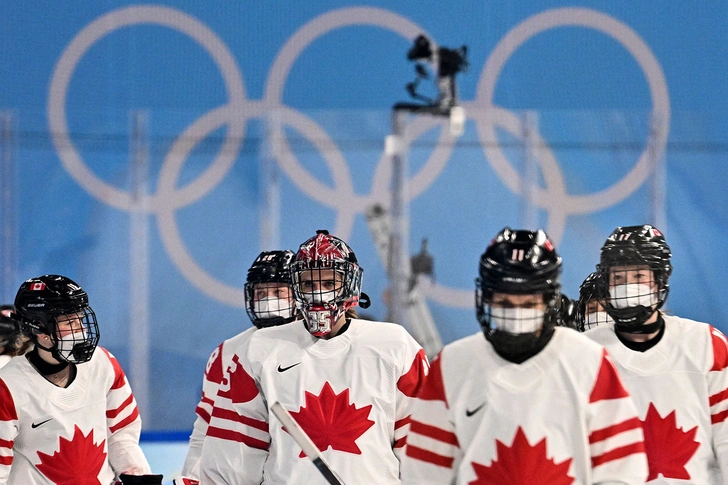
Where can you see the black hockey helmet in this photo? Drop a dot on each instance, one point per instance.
(589, 291)
(270, 267)
(49, 302)
(566, 314)
(634, 246)
(323, 307)
(518, 262)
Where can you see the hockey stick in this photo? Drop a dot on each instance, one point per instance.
(308, 447)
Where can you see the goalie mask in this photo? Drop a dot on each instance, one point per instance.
(268, 296)
(326, 281)
(56, 306)
(517, 293)
(634, 269)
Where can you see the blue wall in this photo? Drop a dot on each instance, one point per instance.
(598, 76)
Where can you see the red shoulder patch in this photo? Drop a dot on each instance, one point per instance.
(608, 384)
(119, 376)
(434, 388)
(720, 349)
(240, 385)
(411, 382)
(214, 370)
(7, 405)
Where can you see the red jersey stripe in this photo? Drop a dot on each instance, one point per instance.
(6, 444)
(228, 435)
(6, 460)
(112, 413)
(126, 421)
(434, 432)
(429, 457)
(609, 431)
(618, 453)
(719, 418)
(233, 416)
(719, 397)
(402, 422)
(203, 414)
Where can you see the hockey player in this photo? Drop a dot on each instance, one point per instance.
(531, 403)
(676, 369)
(268, 302)
(349, 384)
(67, 413)
(589, 310)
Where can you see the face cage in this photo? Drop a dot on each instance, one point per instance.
(323, 307)
(269, 318)
(484, 312)
(631, 307)
(583, 320)
(79, 345)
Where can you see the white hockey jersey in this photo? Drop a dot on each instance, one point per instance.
(680, 387)
(86, 433)
(4, 359)
(561, 417)
(217, 366)
(351, 394)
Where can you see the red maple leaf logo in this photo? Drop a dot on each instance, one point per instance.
(668, 447)
(522, 464)
(331, 421)
(77, 462)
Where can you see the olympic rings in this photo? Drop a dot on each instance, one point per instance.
(342, 197)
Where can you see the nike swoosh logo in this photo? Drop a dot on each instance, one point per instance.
(35, 425)
(469, 413)
(283, 369)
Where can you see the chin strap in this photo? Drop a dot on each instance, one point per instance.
(45, 368)
(644, 328)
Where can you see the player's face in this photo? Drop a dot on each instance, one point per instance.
(507, 300)
(631, 275)
(321, 285)
(68, 324)
(593, 306)
(267, 291)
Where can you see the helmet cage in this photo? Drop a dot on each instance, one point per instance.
(76, 344)
(484, 311)
(270, 267)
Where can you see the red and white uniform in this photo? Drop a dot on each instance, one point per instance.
(561, 417)
(217, 366)
(680, 387)
(351, 394)
(85, 433)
